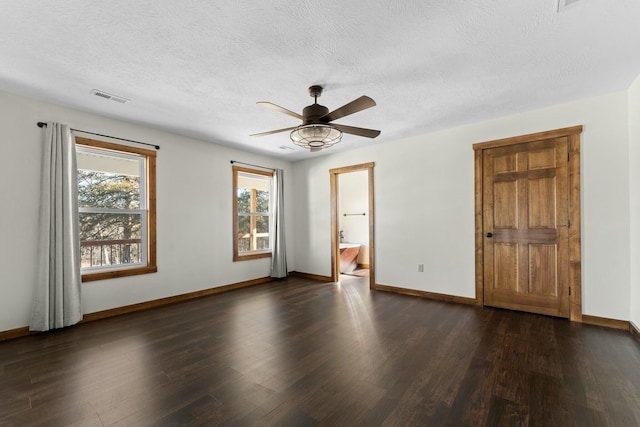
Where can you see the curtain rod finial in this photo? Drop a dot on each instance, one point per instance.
(42, 125)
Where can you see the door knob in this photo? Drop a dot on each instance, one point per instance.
(489, 234)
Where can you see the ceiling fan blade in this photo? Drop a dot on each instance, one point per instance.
(273, 131)
(369, 133)
(275, 107)
(354, 106)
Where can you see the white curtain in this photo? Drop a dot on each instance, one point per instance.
(278, 246)
(57, 291)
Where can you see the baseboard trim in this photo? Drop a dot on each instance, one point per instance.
(89, 317)
(606, 322)
(15, 333)
(635, 331)
(428, 295)
(310, 276)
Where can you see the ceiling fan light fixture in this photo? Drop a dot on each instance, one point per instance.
(315, 136)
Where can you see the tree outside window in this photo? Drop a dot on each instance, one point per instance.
(110, 219)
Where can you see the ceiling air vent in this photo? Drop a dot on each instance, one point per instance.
(564, 4)
(109, 96)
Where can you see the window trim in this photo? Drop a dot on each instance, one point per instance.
(141, 211)
(151, 266)
(254, 254)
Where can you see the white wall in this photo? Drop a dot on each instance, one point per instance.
(424, 199)
(353, 198)
(194, 213)
(634, 188)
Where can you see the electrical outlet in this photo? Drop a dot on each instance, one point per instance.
(420, 268)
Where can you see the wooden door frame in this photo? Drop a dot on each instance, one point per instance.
(335, 246)
(575, 257)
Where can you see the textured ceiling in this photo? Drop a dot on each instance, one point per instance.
(197, 68)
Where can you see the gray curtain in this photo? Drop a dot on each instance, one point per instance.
(278, 247)
(57, 292)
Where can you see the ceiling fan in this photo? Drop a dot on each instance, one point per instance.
(316, 131)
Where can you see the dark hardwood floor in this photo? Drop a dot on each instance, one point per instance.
(304, 353)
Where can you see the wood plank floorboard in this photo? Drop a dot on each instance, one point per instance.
(299, 352)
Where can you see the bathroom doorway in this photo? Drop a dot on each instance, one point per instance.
(352, 222)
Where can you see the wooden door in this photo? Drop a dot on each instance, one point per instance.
(525, 226)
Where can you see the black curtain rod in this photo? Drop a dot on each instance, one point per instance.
(249, 164)
(157, 147)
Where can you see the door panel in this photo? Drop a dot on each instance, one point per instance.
(506, 264)
(542, 270)
(542, 203)
(505, 212)
(525, 213)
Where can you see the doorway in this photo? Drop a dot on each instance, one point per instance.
(527, 202)
(352, 221)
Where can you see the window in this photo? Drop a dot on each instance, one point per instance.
(116, 203)
(251, 200)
